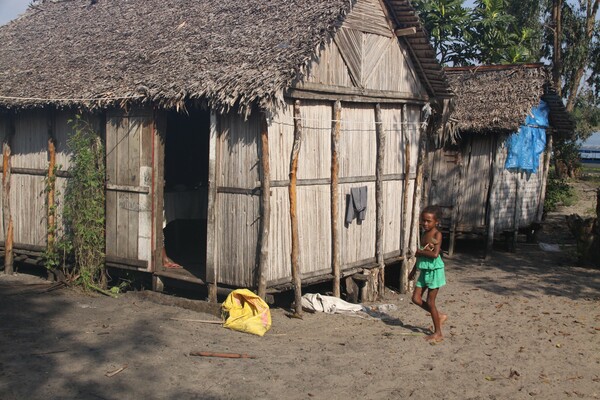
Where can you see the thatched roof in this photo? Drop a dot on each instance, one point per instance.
(497, 98)
(166, 52)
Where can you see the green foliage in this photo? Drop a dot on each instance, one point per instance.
(84, 203)
(447, 22)
(487, 34)
(558, 192)
(586, 114)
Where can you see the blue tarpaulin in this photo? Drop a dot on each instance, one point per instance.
(526, 145)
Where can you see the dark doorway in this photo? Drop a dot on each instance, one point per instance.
(186, 191)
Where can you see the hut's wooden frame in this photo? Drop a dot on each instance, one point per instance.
(467, 177)
(376, 72)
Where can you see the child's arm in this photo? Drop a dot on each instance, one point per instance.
(411, 275)
(432, 249)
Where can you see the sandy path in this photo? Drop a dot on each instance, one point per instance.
(520, 326)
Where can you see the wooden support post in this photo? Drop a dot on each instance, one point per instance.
(335, 168)
(491, 204)
(456, 192)
(380, 276)
(158, 184)
(545, 171)
(211, 231)
(293, 209)
(414, 227)
(517, 214)
(51, 182)
(6, 211)
(265, 187)
(405, 226)
(352, 291)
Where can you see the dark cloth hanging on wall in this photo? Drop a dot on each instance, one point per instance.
(356, 204)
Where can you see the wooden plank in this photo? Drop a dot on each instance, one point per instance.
(405, 31)
(111, 178)
(327, 181)
(545, 170)
(517, 211)
(211, 242)
(50, 195)
(405, 226)
(491, 204)
(265, 212)
(127, 188)
(158, 136)
(38, 172)
(293, 209)
(362, 94)
(379, 203)
(335, 168)
(6, 209)
(134, 139)
(414, 230)
(122, 177)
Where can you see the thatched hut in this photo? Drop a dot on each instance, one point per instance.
(241, 125)
(467, 174)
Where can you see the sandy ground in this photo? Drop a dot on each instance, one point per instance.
(521, 325)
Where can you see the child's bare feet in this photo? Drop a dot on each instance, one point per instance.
(443, 318)
(435, 338)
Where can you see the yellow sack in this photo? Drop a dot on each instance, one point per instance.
(244, 311)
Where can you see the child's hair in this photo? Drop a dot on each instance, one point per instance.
(433, 210)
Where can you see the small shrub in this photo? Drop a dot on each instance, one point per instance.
(558, 192)
(84, 204)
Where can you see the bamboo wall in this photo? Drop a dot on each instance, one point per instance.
(237, 206)
(29, 150)
(365, 53)
(357, 156)
(527, 201)
(129, 154)
(471, 168)
(4, 132)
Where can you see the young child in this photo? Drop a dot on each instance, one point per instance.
(431, 268)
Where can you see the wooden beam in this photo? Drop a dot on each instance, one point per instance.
(335, 169)
(517, 214)
(293, 210)
(158, 183)
(405, 31)
(414, 230)
(360, 94)
(51, 185)
(491, 203)
(542, 198)
(265, 212)
(211, 228)
(404, 226)
(379, 203)
(6, 210)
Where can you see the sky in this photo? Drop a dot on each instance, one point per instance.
(10, 9)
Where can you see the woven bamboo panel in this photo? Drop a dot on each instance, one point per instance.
(27, 194)
(314, 159)
(238, 166)
(280, 236)
(237, 237)
(368, 16)
(358, 146)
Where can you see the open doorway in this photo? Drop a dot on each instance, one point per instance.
(186, 191)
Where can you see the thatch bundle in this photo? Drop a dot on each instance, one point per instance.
(228, 52)
(496, 99)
